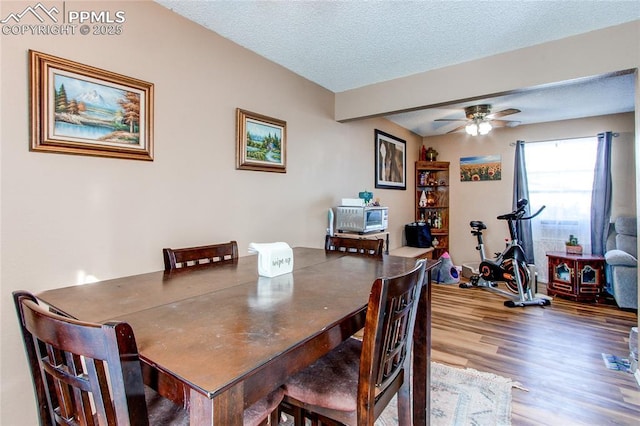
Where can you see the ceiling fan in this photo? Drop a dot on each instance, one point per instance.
(480, 119)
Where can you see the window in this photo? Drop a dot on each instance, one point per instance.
(560, 176)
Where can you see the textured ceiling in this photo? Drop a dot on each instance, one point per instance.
(342, 45)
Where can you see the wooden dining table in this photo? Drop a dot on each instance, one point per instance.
(216, 339)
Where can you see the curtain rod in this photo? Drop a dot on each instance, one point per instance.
(615, 135)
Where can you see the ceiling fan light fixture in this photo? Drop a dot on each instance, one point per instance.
(480, 120)
(471, 129)
(484, 127)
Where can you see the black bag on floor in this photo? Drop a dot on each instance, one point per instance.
(418, 234)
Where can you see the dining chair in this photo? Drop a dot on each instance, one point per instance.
(354, 382)
(366, 247)
(357, 246)
(90, 374)
(202, 255)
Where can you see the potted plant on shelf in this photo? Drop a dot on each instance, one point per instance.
(572, 246)
(432, 154)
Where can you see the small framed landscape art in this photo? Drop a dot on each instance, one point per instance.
(391, 161)
(261, 142)
(79, 109)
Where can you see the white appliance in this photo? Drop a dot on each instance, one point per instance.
(362, 219)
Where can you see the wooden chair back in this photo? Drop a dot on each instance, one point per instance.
(196, 256)
(83, 373)
(387, 341)
(321, 393)
(361, 246)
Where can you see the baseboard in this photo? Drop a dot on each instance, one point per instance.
(637, 376)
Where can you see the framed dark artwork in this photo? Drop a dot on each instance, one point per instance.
(83, 110)
(261, 142)
(391, 161)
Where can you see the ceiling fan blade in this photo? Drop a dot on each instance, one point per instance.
(457, 129)
(451, 119)
(503, 113)
(504, 123)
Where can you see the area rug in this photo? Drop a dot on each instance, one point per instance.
(461, 397)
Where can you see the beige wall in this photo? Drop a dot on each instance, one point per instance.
(68, 218)
(65, 219)
(488, 199)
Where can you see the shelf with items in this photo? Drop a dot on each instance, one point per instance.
(440, 241)
(432, 200)
(436, 217)
(433, 196)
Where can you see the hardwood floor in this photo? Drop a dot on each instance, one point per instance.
(554, 352)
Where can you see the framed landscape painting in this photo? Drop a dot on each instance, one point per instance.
(485, 167)
(83, 110)
(261, 142)
(391, 161)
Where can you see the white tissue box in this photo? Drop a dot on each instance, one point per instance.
(273, 258)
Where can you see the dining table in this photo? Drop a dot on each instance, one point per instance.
(216, 339)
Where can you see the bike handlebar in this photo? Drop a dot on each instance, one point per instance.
(535, 214)
(519, 211)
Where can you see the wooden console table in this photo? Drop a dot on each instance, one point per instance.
(368, 236)
(579, 277)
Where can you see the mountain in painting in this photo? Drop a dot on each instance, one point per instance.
(93, 98)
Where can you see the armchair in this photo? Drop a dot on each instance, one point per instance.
(622, 262)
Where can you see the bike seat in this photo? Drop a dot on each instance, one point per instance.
(478, 225)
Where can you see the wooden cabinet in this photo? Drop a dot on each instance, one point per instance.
(432, 201)
(575, 276)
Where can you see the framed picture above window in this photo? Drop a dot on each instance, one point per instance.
(79, 109)
(391, 161)
(261, 142)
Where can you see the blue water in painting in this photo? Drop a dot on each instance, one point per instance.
(77, 131)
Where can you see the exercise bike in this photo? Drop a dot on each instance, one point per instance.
(509, 267)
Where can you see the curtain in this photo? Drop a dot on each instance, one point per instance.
(565, 188)
(601, 195)
(521, 190)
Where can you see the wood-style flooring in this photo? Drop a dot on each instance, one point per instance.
(555, 352)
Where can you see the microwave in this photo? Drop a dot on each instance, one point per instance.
(362, 219)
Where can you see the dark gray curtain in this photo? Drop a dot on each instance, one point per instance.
(601, 195)
(521, 190)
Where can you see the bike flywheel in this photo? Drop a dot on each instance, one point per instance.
(512, 285)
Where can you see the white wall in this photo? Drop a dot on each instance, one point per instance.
(65, 218)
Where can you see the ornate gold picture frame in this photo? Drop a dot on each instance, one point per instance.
(83, 110)
(261, 142)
